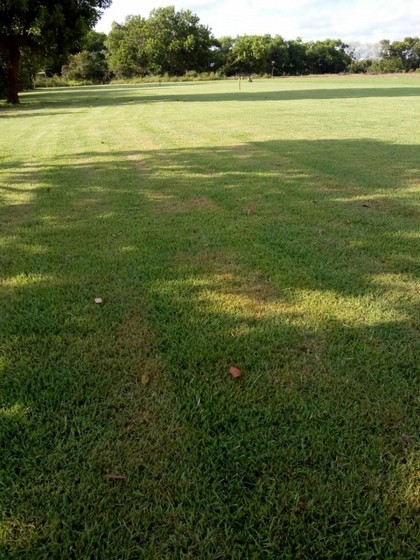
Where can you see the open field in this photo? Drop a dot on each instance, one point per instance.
(275, 229)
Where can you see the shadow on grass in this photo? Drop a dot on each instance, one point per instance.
(107, 95)
(294, 261)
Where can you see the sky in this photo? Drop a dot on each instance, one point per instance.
(366, 21)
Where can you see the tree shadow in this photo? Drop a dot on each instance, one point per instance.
(232, 256)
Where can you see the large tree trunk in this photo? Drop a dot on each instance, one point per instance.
(13, 75)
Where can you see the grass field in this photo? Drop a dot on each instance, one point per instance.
(274, 229)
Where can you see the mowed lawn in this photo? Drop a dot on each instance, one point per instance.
(274, 229)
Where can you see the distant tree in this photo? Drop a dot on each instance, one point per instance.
(94, 42)
(126, 48)
(251, 54)
(362, 55)
(43, 26)
(86, 65)
(297, 57)
(407, 51)
(90, 63)
(327, 57)
(167, 42)
(221, 54)
(278, 56)
(177, 42)
(388, 66)
(384, 49)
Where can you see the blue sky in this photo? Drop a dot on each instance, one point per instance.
(350, 20)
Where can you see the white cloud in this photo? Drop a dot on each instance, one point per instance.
(349, 20)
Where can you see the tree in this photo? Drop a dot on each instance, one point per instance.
(177, 42)
(90, 63)
(94, 42)
(45, 26)
(327, 57)
(251, 54)
(30, 62)
(126, 48)
(279, 56)
(297, 57)
(407, 51)
(221, 54)
(167, 42)
(86, 65)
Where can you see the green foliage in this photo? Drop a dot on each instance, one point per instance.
(296, 63)
(47, 27)
(264, 54)
(251, 54)
(398, 56)
(404, 55)
(327, 57)
(125, 48)
(90, 64)
(359, 66)
(56, 81)
(279, 56)
(94, 42)
(177, 42)
(167, 42)
(220, 52)
(86, 65)
(386, 66)
(190, 76)
(29, 65)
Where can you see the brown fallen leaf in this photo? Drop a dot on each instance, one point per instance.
(366, 205)
(347, 222)
(250, 210)
(234, 371)
(145, 379)
(115, 476)
(98, 300)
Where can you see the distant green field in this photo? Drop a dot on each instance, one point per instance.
(274, 229)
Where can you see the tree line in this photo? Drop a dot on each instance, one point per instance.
(56, 36)
(175, 43)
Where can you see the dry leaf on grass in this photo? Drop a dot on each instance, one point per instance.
(235, 372)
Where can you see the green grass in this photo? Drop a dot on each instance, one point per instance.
(139, 195)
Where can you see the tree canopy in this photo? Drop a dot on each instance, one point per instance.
(168, 41)
(48, 26)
